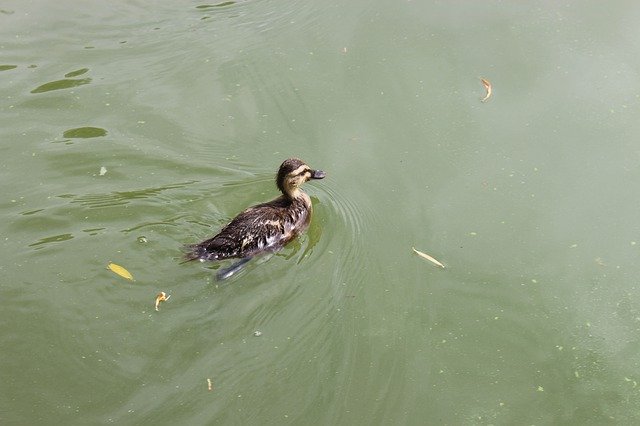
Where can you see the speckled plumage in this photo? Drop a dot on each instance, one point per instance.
(264, 227)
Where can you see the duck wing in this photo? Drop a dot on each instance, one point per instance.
(260, 228)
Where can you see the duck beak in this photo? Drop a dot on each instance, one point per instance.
(317, 174)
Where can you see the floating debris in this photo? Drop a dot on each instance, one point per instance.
(161, 297)
(120, 271)
(209, 385)
(487, 86)
(103, 171)
(257, 333)
(429, 258)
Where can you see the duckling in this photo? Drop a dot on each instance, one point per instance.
(265, 227)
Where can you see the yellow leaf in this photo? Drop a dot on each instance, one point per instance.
(161, 297)
(120, 271)
(487, 87)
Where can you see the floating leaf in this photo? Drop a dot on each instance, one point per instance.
(161, 297)
(429, 258)
(487, 86)
(120, 271)
(7, 67)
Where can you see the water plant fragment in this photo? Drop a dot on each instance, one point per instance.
(120, 271)
(487, 86)
(429, 258)
(161, 297)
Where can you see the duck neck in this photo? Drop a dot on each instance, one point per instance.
(296, 194)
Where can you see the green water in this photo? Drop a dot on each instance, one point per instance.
(132, 128)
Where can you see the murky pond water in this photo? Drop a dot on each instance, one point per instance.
(133, 128)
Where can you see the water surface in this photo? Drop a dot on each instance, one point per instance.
(133, 128)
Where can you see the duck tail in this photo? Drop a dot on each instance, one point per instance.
(191, 252)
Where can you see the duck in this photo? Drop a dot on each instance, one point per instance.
(262, 228)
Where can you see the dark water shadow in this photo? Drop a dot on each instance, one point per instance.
(84, 132)
(61, 84)
(52, 239)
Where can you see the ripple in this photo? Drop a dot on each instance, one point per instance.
(53, 239)
(30, 212)
(94, 231)
(168, 222)
(85, 132)
(119, 198)
(210, 6)
(350, 223)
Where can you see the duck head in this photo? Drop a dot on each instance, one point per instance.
(293, 173)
